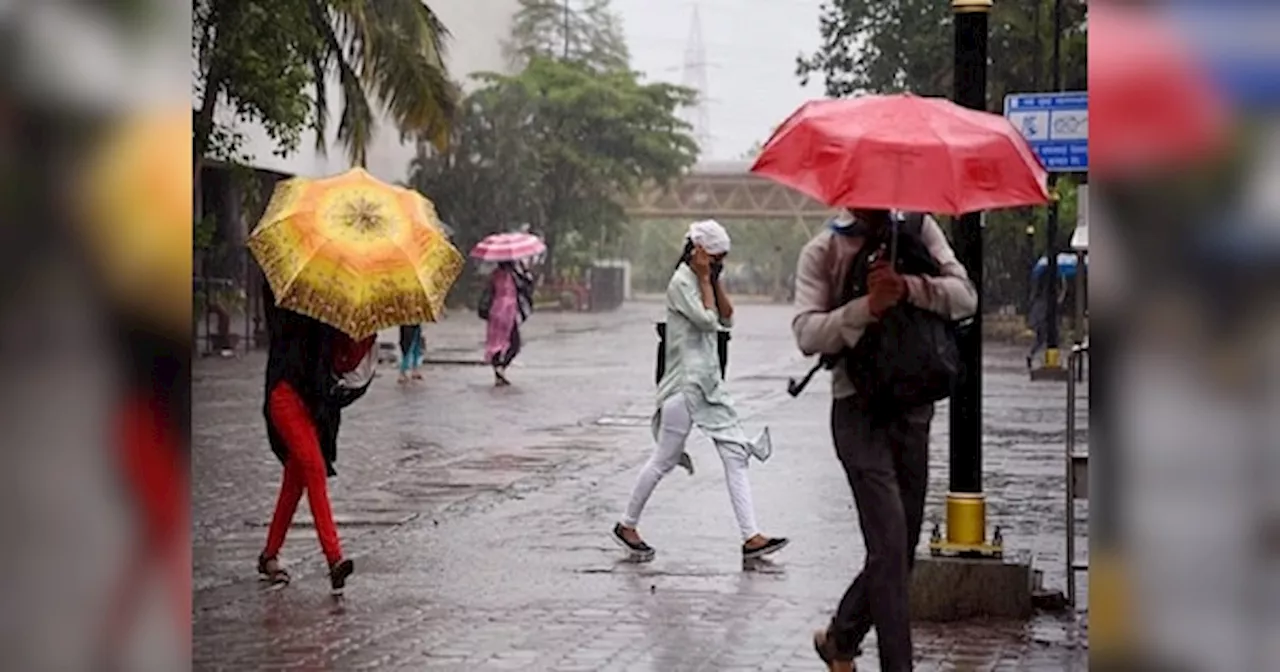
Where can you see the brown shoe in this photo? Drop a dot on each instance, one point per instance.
(826, 651)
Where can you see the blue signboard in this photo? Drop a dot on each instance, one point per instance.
(1234, 40)
(1056, 125)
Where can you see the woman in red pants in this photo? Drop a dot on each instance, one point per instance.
(313, 371)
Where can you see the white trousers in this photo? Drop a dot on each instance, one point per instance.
(673, 431)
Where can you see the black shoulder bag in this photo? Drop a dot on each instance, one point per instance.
(909, 357)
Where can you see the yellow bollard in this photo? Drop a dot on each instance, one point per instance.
(1052, 358)
(966, 518)
(1112, 633)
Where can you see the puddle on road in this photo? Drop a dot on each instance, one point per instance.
(629, 567)
(361, 519)
(624, 421)
(580, 446)
(767, 377)
(645, 569)
(506, 461)
(561, 329)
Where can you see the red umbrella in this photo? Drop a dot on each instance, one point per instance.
(508, 247)
(1151, 104)
(903, 152)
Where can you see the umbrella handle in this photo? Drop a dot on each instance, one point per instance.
(893, 246)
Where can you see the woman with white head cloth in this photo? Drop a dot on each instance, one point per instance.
(692, 392)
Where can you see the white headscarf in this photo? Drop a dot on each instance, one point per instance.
(710, 236)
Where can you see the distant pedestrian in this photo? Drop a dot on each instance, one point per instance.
(692, 392)
(410, 352)
(313, 372)
(885, 454)
(510, 303)
(1038, 317)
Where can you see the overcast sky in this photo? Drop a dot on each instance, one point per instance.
(750, 46)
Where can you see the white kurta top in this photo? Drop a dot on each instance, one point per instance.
(693, 368)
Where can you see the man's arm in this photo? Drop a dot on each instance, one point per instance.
(950, 294)
(817, 328)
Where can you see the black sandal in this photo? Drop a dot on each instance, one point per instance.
(771, 545)
(638, 551)
(339, 572)
(270, 571)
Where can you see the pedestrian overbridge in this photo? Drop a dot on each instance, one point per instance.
(726, 190)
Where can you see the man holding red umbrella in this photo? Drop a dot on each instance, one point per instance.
(866, 273)
(885, 455)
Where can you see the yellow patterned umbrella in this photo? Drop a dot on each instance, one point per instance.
(355, 253)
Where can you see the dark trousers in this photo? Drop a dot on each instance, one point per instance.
(886, 460)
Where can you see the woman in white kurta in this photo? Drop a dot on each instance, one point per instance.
(692, 392)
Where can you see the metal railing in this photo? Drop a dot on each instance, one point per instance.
(1077, 468)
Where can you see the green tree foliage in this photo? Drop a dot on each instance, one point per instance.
(560, 146)
(271, 62)
(588, 32)
(889, 46)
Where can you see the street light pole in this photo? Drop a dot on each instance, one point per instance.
(1052, 358)
(1028, 297)
(966, 504)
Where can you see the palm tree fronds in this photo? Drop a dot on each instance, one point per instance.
(391, 51)
(355, 128)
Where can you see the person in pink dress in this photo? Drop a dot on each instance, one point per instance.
(512, 291)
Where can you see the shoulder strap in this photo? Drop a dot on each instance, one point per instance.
(912, 224)
(914, 256)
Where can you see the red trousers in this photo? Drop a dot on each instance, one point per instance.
(158, 478)
(303, 470)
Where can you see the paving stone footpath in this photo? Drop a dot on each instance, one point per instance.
(478, 517)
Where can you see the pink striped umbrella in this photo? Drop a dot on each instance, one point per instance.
(502, 247)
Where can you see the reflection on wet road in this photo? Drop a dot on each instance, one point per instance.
(478, 518)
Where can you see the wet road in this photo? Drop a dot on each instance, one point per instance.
(478, 517)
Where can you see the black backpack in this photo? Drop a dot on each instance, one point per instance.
(909, 357)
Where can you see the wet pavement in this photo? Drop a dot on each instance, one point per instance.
(478, 518)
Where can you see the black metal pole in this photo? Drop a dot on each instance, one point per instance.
(1029, 278)
(1051, 229)
(966, 402)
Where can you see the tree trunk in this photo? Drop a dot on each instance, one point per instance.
(202, 129)
(202, 124)
(550, 261)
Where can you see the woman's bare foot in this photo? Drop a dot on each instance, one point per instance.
(417, 375)
(630, 534)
